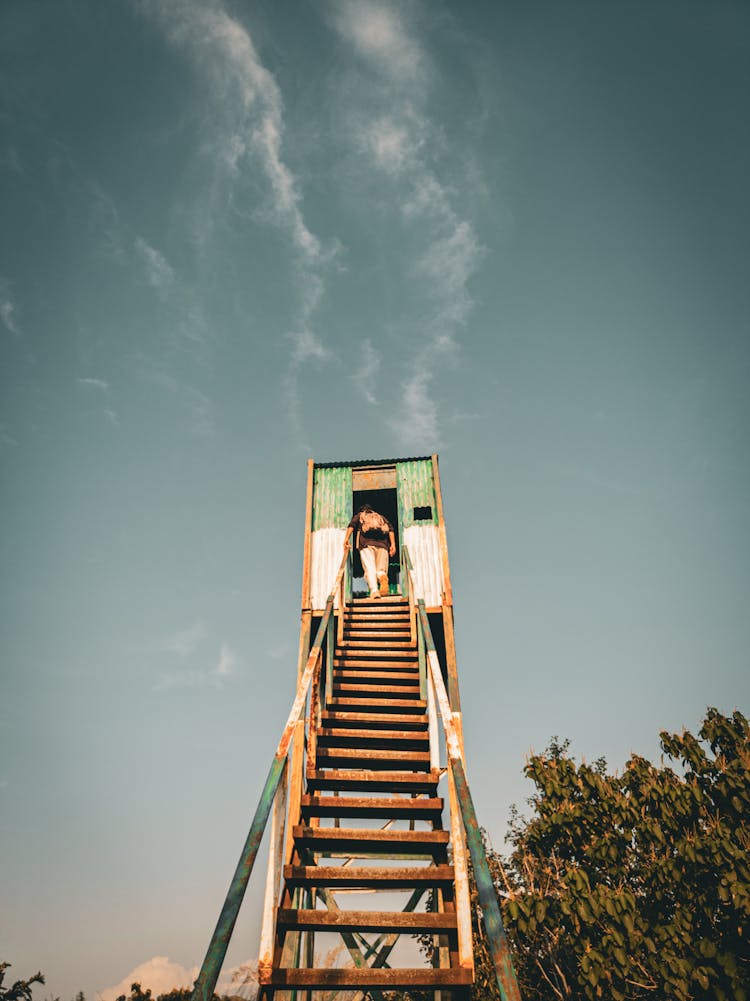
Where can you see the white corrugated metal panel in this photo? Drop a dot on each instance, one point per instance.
(423, 543)
(326, 553)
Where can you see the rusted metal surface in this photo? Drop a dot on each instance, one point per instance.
(450, 658)
(411, 923)
(295, 784)
(332, 497)
(448, 597)
(461, 879)
(273, 874)
(415, 490)
(381, 877)
(367, 806)
(355, 463)
(308, 529)
(344, 838)
(374, 478)
(351, 979)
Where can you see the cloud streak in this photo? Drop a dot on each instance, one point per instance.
(8, 309)
(252, 133)
(186, 646)
(400, 141)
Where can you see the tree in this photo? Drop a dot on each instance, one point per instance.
(632, 886)
(21, 989)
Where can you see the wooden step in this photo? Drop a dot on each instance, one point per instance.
(387, 600)
(380, 678)
(363, 806)
(397, 648)
(345, 720)
(368, 877)
(380, 630)
(374, 653)
(375, 621)
(378, 615)
(387, 739)
(406, 922)
(352, 839)
(376, 663)
(356, 978)
(375, 759)
(374, 692)
(368, 780)
(348, 704)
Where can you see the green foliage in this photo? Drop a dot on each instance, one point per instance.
(622, 887)
(176, 994)
(21, 989)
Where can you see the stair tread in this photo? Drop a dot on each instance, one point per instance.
(357, 664)
(352, 734)
(344, 720)
(364, 677)
(344, 687)
(374, 758)
(362, 806)
(387, 877)
(371, 780)
(395, 921)
(417, 705)
(353, 978)
(370, 836)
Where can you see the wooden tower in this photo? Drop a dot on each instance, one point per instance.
(372, 821)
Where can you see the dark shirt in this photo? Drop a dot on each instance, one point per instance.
(374, 538)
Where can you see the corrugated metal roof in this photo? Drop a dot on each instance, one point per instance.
(372, 462)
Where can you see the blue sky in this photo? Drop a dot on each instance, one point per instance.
(237, 235)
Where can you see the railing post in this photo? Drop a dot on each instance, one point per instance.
(461, 880)
(330, 645)
(432, 728)
(273, 875)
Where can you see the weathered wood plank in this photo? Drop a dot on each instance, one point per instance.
(398, 921)
(379, 877)
(353, 978)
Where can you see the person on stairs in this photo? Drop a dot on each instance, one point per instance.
(376, 542)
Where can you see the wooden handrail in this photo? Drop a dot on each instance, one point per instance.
(493, 923)
(204, 986)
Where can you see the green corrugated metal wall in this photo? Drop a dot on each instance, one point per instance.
(415, 489)
(332, 497)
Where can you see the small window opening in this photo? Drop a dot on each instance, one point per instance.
(423, 513)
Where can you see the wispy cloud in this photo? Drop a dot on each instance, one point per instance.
(100, 386)
(400, 141)
(187, 647)
(96, 383)
(380, 33)
(195, 403)
(365, 376)
(184, 642)
(227, 661)
(251, 135)
(8, 309)
(159, 272)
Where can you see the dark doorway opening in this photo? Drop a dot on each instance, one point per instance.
(385, 502)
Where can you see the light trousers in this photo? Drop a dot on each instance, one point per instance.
(375, 565)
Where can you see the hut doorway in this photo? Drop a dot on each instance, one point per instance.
(385, 502)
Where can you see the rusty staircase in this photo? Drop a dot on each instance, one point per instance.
(353, 799)
(371, 761)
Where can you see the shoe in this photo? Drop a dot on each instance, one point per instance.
(383, 586)
(375, 594)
